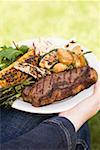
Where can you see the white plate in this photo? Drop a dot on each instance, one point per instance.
(66, 103)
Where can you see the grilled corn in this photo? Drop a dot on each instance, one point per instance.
(11, 76)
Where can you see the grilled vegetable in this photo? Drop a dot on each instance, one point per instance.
(79, 60)
(65, 56)
(11, 76)
(8, 95)
(32, 70)
(77, 50)
(48, 60)
(59, 67)
(82, 61)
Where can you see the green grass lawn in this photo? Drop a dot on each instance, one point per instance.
(22, 20)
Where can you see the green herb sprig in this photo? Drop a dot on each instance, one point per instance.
(9, 54)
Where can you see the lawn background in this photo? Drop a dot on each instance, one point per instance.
(22, 20)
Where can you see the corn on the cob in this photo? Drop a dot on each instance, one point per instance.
(11, 76)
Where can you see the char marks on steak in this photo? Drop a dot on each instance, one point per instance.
(58, 86)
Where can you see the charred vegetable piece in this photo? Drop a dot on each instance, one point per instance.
(83, 60)
(8, 95)
(11, 76)
(48, 60)
(59, 67)
(65, 56)
(79, 60)
(77, 50)
(32, 70)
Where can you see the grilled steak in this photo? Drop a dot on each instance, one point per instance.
(58, 86)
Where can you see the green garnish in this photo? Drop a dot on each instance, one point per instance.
(9, 54)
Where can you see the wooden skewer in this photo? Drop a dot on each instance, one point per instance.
(15, 45)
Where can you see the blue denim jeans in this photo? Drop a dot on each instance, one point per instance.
(15, 123)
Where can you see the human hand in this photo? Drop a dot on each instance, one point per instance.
(86, 109)
(96, 94)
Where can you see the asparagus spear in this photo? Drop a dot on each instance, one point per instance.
(10, 94)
